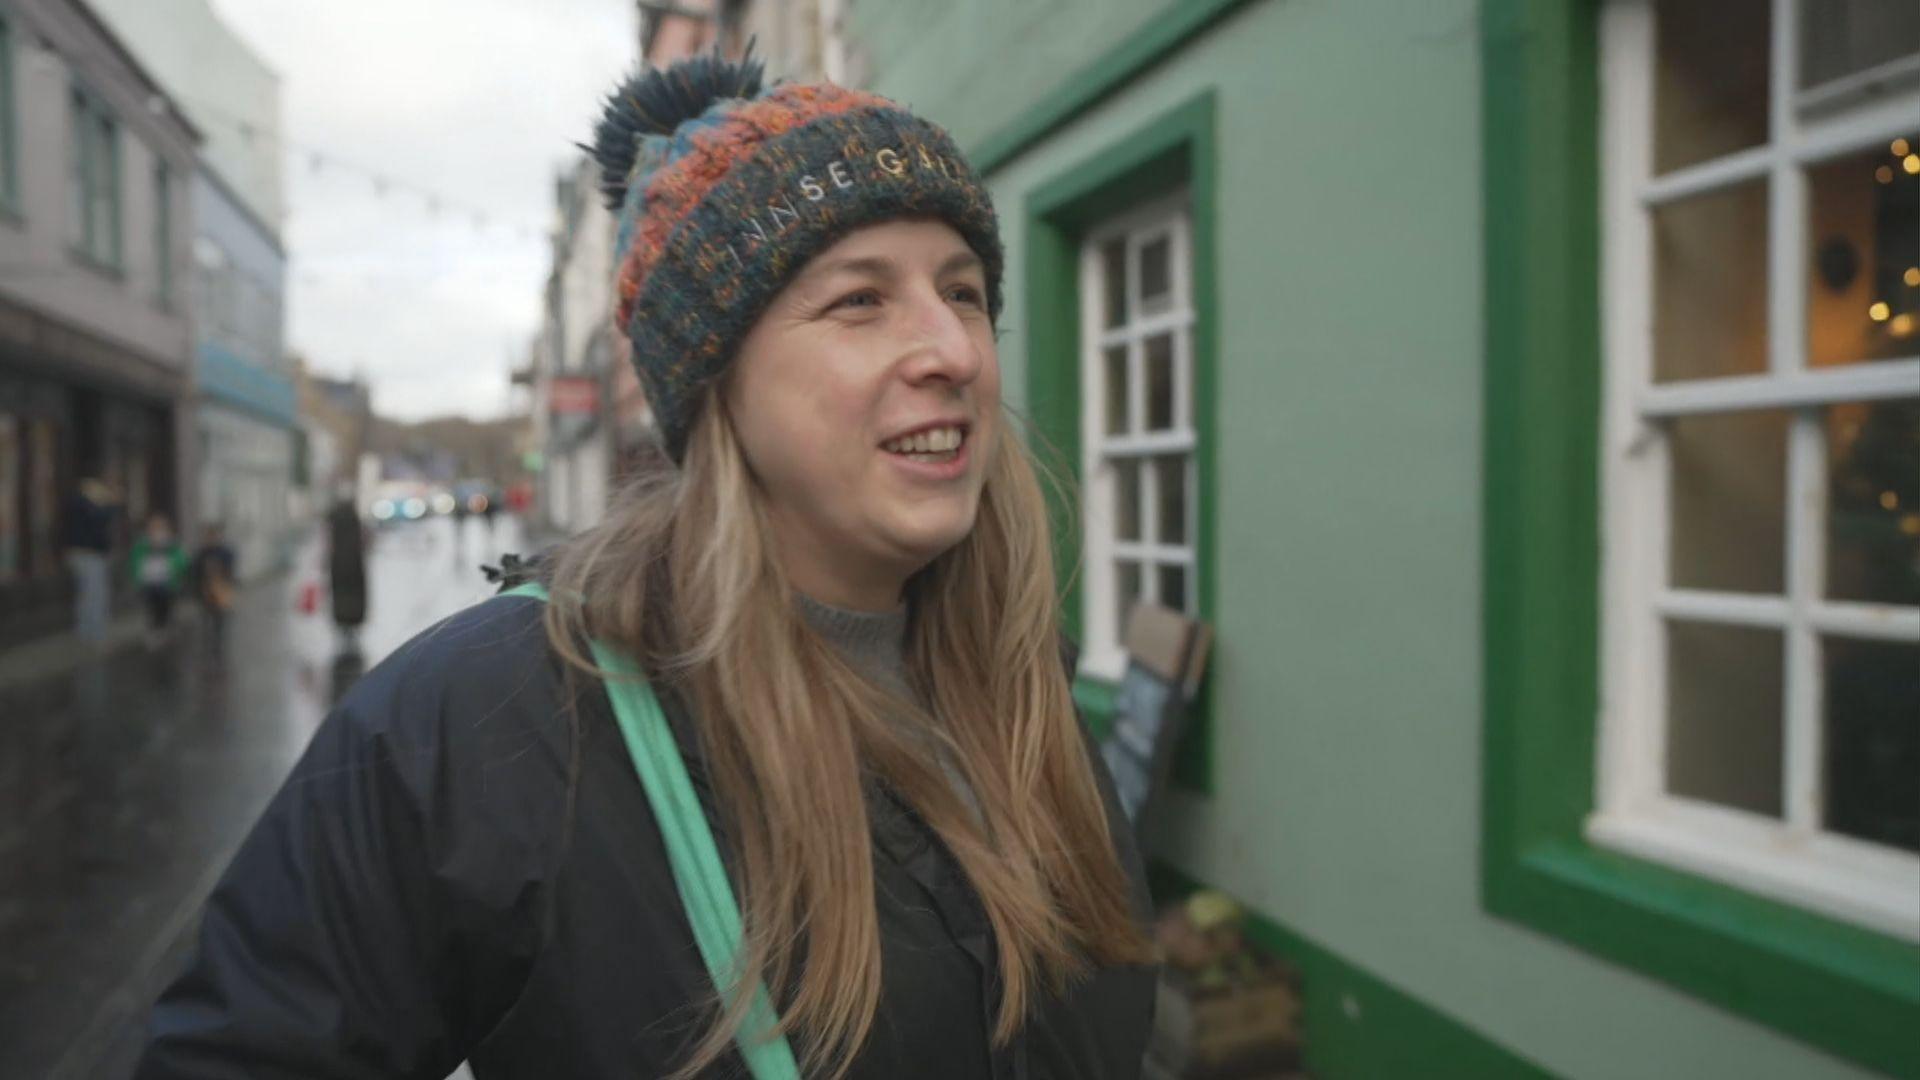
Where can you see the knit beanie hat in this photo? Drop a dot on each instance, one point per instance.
(724, 191)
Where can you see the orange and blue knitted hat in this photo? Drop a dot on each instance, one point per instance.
(724, 191)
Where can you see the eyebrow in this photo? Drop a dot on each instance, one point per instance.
(882, 267)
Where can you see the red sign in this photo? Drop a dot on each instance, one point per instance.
(573, 395)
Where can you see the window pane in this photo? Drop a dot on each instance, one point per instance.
(1126, 593)
(1117, 390)
(1873, 504)
(1114, 256)
(1710, 83)
(1156, 275)
(1159, 374)
(1873, 740)
(1173, 587)
(1171, 475)
(1841, 37)
(1723, 715)
(1710, 285)
(1864, 288)
(1126, 497)
(1729, 500)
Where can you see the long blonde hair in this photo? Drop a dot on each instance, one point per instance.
(681, 574)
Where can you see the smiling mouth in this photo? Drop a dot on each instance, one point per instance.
(932, 446)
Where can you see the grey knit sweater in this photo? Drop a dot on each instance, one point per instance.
(874, 644)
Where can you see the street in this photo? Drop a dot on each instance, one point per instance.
(127, 783)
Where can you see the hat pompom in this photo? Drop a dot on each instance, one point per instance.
(656, 101)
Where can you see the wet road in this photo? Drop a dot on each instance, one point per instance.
(126, 785)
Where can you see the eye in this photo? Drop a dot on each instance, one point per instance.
(966, 294)
(865, 298)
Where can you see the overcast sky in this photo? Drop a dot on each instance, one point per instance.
(478, 100)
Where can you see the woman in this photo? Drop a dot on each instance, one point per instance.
(158, 565)
(838, 587)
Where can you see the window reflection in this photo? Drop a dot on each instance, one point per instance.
(1863, 298)
(1873, 503)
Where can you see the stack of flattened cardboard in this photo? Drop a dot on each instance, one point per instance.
(1166, 657)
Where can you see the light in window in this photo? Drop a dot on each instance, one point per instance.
(1729, 501)
(1873, 450)
(1710, 285)
(1724, 729)
(1864, 296)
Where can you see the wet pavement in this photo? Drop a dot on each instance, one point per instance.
(126, 785)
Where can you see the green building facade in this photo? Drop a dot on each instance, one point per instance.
(1316, 301)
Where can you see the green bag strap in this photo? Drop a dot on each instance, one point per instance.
(698, 872)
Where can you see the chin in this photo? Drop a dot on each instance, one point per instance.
(933, 535)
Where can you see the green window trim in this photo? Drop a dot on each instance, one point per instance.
(1849, 991)
(1163, 34)
(1174, 150)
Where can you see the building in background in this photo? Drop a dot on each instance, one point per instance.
(575, 355)
(246, 417)
(1528, 393)
(96, 165)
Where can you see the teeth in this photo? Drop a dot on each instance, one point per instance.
(936, 441)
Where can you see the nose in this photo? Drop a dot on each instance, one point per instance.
(943, 348)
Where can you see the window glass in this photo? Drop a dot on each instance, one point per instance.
(1710, 80)
(1710, 285)
(1873, 504)
(1126, 511)
(1844, 37)
(1863, 289)
(1170, 476)
(1872, 727)
(1729, 500)
(1173, 586)
(1159, 376)
(1113, 258)
(1156, 275)
(1724, 715)
(1116, 386)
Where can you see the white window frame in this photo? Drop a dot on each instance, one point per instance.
(1791, 859)
(1103, 656)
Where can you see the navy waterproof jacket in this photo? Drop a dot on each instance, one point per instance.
(415, 896)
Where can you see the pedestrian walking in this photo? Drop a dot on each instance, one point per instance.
(158, 565)
(347, 569)
(89, 546)
(774, 772)
(214, 582)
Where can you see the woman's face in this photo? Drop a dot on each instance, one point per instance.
(867, 400)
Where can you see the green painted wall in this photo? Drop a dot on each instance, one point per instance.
(978, 62)
(1347, 680)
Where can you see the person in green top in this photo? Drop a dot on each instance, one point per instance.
(158, 565)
